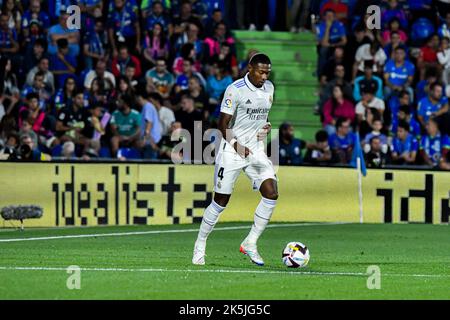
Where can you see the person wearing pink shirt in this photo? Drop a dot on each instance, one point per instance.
(336, 107)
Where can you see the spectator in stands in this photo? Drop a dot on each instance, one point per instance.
(372, 52)
(434, 105)
(8, 37)
(9, 91)
(368, 109)
(444, 60)
(30, 151)
(189, 117)
(191, 35)
(377, 126)
(156, 44)
(444, 28)
(166, 115)
(330, 34)
(328, 72)
(33, 56)
(228, 60)
(404, 115)
(60, 31)
(290, 147)
(327, 91)
(39, 88)
(94, 48)
(157, 16)
(49, 80)
(62, 64)
(187, 53)
(120, 62)
(376, 155)
(185, 17)
(10, 145)
(159, 79)
(434, 146)
(169, 141)
(71, 122)
(394, 28)
(182, 80)
(64, 96)
(394, 11)
(367, 81)
(125, 126)
(130, 74)
(337, 107)
(150, 127)
(423, 86)
(34, 13)
(201, 98)
(341, 9)
(319, 153)
(404, 145)
(343, 141)
(27, 128)
(213, 43)
(31, 113)
(299, 15)
(398, 74)
(428, 55)
(100, 73)
(395, 43)
(123, 29)
(124, 87)
(211, 23)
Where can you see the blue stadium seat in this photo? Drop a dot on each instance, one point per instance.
(129, 153)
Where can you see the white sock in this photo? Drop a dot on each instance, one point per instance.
(263, 214)
(210, 218)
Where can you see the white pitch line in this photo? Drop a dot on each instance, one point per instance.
(119, 234)
(297, 273)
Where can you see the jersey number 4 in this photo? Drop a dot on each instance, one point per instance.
(220, 173)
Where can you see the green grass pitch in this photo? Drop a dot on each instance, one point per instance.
(414, 261)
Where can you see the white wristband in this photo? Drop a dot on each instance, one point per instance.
(232, 141)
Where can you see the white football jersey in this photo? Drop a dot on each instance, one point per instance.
(250, 107)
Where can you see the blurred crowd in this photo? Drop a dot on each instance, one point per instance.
(138, 70)
(389, 84)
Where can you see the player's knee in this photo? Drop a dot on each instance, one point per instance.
(221, 199)
(271, 195)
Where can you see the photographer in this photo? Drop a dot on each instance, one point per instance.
(27, 151)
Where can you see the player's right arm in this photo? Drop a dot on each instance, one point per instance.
(230, 103)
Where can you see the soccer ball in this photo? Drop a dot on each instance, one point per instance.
(295, 255)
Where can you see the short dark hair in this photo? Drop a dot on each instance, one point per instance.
(127, 99)
(404, 125)
(259, 58)
(434, 85)
(32, 95)
(39, 74)
(321, 136)
(156, 96)
(340, 121)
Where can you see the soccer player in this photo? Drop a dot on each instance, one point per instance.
(243, 122)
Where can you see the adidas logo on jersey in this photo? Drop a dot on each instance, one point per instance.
(248, 101)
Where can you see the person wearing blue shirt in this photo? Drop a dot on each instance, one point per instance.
(93, 47)
(290, 149)
(62, 64)
(330, 34)
(60, 31)
(423, 86)
(150, 127)
(35, 13)
(398, 74)
(434, 146)
(404, 115)
(217, 83)
(434, 105)
(158, 16)
(123, 26)
(404, 145)
(343, 141)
